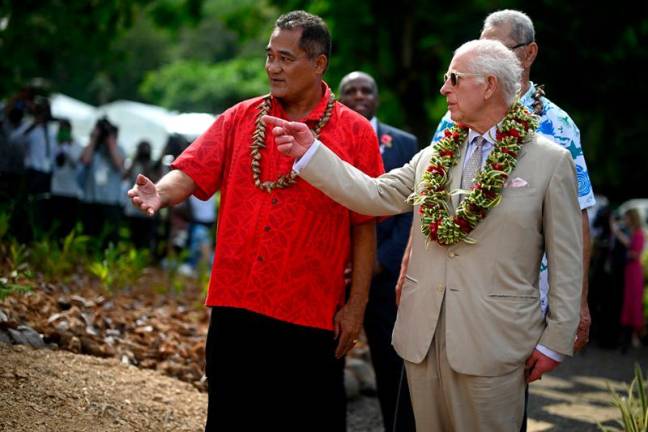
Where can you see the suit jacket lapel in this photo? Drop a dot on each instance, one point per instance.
(529, 138)
(455, 176)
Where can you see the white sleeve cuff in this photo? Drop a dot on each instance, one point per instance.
(306, 157)
(553, 355)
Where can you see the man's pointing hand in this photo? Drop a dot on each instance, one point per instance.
(292, 138)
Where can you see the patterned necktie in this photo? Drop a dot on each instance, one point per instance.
(473, 165)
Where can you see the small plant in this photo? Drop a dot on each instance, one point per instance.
(8, 288)
(18, 269)
(633, 407)
(57, 259)
(18, 254)
(120, 267)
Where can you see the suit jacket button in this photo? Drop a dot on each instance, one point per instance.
(452, 254)
(440, 288)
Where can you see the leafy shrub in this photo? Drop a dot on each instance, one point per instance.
(633, 407)
(58, 259)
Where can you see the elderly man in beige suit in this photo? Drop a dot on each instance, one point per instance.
(488, 199)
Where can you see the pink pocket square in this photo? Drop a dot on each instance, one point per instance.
(517, 182)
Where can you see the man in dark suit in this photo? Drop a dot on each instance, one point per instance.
(359, 92)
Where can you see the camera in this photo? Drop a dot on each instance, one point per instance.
(104, 130)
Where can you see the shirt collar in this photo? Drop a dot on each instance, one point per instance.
(374, 123)
(489, 136)
(528, 95)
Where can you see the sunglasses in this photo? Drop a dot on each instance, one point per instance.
(520, 45)
(454, 76)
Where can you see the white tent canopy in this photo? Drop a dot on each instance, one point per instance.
(190, 125)
(136, 121)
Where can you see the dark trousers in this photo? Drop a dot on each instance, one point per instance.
(265, 374)
(523, 428)
(393, 392)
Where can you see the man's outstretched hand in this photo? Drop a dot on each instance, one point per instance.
(292, 138)
(145, 196)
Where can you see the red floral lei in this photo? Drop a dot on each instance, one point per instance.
(433, 197)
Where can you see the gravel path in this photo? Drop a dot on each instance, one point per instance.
(575, 396)
(44, 390)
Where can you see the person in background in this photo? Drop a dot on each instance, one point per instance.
(13, 116)
(66, 192)
(103, 164)
(37, 138)
(202, 215)
(359, 92)
(142, 227)
(607, 276)
(173, 235)
(632, 311)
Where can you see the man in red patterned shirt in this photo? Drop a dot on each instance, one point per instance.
(279, 327)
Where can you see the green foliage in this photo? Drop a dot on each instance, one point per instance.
(57, 259)
(5, 217)
(633, 408)
(120, 267)
(16, 255)
(189, 85)
(8, 288)
(64, 41)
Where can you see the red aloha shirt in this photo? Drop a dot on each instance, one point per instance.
(281, 254)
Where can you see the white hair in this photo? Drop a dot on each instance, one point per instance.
(491, 57)
(522, 31)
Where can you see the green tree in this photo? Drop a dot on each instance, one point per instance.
(218, 63)
(197, 86)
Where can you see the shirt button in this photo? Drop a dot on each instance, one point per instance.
(266, 228)
(274, 201)
(259, 258)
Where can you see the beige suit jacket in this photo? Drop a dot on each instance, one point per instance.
(493, 317)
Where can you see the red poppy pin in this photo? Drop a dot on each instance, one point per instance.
(386, 140)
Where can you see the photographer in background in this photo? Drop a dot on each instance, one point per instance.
(36, 138)
(103, 161)
(66, 192)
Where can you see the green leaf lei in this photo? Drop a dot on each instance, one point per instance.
(433, 197)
